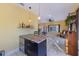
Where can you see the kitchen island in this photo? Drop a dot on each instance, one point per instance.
(33, 45)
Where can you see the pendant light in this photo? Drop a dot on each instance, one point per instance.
(39, 19)
(29, 7)
(39, 12)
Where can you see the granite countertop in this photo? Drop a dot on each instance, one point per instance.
(34, 38)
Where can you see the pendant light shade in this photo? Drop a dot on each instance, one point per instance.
(39, 12)
(39, 18)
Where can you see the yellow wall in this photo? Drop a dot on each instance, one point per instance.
(62, 24)
(10, 16)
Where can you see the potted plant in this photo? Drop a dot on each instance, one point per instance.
(69, 19)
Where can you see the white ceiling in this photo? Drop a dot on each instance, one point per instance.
(55, 11)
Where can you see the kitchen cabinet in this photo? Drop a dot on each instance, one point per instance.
(33, 45)
(72, 37)
(72, 44)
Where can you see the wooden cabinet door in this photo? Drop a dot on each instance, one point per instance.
(72, 44)
(31, 48)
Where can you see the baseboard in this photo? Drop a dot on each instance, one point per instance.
(11, 52)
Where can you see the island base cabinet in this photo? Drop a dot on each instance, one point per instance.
(31, 48)
(42, 48)
(35, 49)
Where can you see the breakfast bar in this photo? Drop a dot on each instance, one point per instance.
(33, 45)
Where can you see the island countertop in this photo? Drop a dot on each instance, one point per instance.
(34, 38)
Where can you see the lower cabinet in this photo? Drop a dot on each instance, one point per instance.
(32, 48)
(72, 44)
